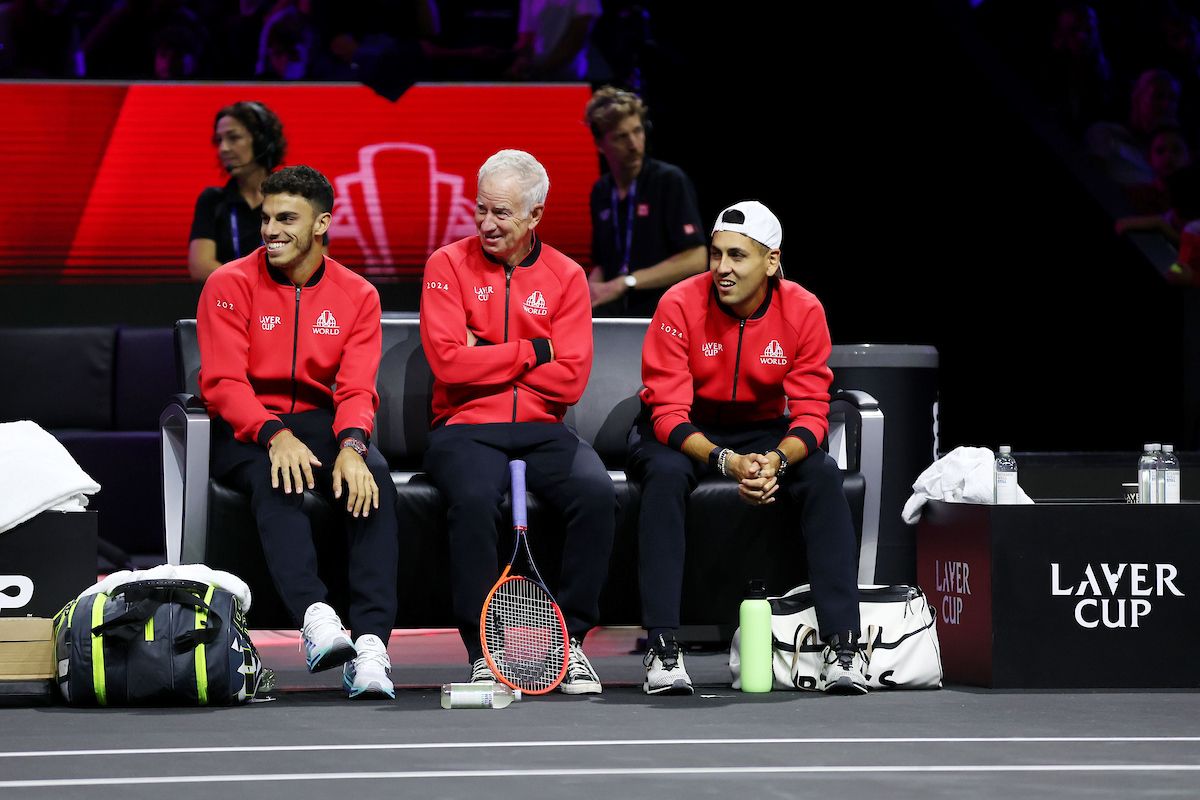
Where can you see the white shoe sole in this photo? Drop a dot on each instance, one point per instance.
(580, 688)
(338, 654)
(680, 686)
(844, 685)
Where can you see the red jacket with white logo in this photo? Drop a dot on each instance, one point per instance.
(508, 376)
(703, 365)
(268, 347)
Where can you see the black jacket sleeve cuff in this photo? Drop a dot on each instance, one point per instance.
(353, 433)
(542, 348)
(806, 436)
(679, 435)
(269, 429)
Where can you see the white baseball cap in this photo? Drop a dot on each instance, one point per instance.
(751, 218)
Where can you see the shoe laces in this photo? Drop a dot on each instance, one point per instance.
(578, 665)
(843, 650)
(371, 651)
(666, 650)
(320, 626)
(480, 671)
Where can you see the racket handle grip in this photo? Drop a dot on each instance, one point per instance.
(516, 469)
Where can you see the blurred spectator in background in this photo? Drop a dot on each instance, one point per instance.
(287, 41)
(1168, 153)
(647, 233)
(553, 42)
(226, 225)
(177, 54)
(1122, 149)
(471, 39)
(39, 38)
(123, 42)
(1183, 189)
(1078, 77)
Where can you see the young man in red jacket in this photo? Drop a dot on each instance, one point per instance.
(507, 327)
(289, 350)
(727, 354)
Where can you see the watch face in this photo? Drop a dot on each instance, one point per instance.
(630, 281)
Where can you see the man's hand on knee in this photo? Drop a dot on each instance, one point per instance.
(291, 463)
(362, 493)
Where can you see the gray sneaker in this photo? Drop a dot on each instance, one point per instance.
(581, 678)
(843, 672)
(665, 673)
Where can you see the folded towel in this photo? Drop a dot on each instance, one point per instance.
(964, 475)
(37, 474)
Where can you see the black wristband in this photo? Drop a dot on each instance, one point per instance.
(541, 349)
(783, 462)
(712, 458)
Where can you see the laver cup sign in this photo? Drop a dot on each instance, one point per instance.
(1102, 584)
(1115, 595)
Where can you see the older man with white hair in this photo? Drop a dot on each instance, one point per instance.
(506, 325)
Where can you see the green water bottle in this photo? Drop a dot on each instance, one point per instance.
(754, 644)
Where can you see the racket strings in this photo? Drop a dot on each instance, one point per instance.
(524, 634)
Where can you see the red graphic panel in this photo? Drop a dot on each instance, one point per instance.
(103, 179)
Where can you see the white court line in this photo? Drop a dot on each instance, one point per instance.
(598, 772)
(299, 748)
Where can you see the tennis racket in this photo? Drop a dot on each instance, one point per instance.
(521, 628)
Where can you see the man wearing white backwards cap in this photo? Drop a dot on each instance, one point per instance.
(735, 367)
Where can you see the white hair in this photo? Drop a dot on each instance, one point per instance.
(528, 172)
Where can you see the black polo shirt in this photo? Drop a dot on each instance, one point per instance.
(666, 221)
(216, 210)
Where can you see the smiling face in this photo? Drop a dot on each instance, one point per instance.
(740, 270)
(504, 233)
(290, 229)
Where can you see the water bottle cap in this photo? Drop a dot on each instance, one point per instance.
(1153, 446)
(516, 694)
(1168, 448)
(756, 589)
(1005, 450)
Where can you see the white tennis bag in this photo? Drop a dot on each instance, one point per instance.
(898, 630)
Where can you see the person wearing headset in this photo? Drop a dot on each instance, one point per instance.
(250, 145)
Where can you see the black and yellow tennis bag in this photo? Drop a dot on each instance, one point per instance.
(156, 642)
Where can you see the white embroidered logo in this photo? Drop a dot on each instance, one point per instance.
(773, 354)
(536, 304)
(326, 325)
(711, 348)
(269, 321)
(483, 293)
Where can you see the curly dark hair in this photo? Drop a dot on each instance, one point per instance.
(303, 181)
(609, 107)
(265, 129)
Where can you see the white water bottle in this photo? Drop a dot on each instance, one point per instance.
(1005, 477)
(1148, 475)
(485, 694)
(1168, 475)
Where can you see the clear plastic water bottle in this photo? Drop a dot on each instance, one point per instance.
(1005, 477)
(755, 641)
(1148, 475)
(485, 694)
(1168, 475)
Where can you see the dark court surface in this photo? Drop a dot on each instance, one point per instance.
(310, 742)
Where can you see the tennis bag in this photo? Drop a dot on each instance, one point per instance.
(899, 635)
(156, 642)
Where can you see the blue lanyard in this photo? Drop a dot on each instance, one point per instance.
(624, 253)
(237, 242)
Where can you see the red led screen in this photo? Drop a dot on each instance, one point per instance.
(101, 180)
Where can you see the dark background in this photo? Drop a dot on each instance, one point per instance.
(916, 201)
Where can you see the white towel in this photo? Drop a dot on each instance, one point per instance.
(188, 572)
(37, 474)
(964, 475)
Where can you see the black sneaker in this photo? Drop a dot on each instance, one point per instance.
(665, 673)
(581, 678)
(844, 668)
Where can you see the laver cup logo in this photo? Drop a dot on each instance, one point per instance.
(953, 580)
(1115, 595)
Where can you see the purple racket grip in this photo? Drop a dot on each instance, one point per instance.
(517, 469)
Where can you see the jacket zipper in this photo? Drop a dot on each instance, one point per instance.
(737, 360)
(508, 273)
(295, 348)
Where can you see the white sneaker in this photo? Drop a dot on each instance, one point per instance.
(580, 678)
(481, 672)
(665, 673)
(368, 672)
(845, 667)
(326, 644)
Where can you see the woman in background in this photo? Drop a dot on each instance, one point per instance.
(250, 145)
